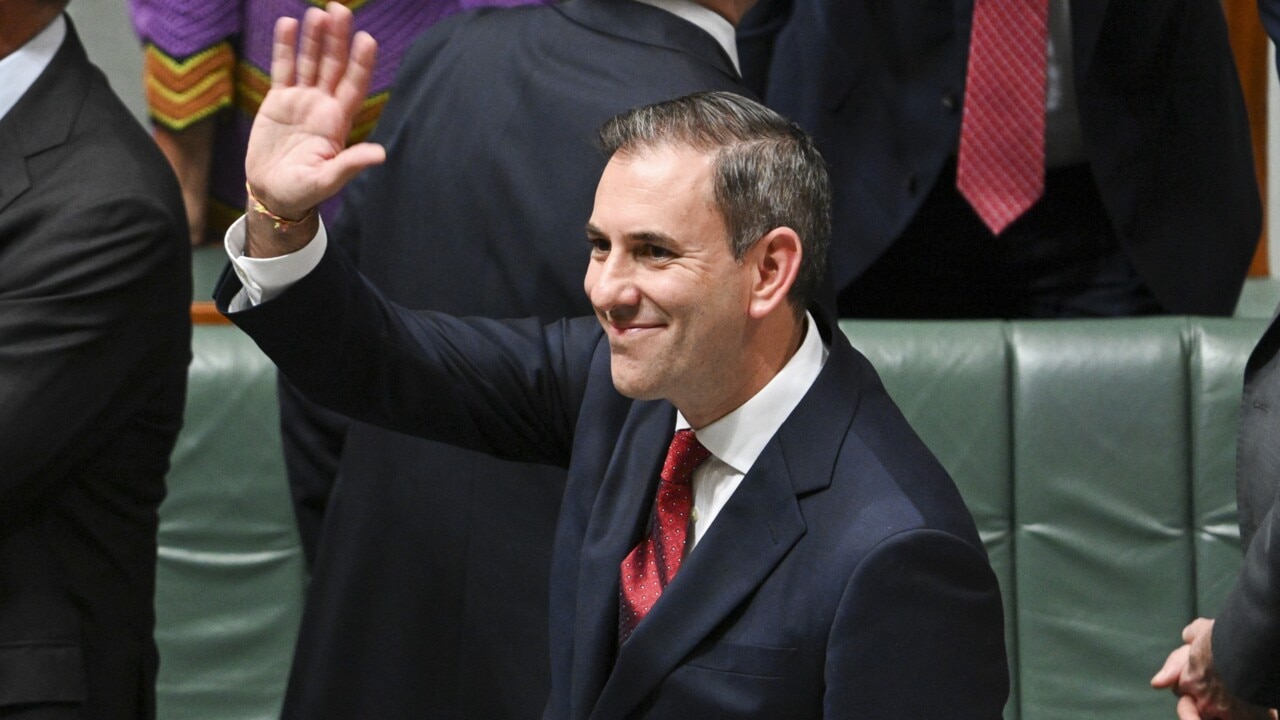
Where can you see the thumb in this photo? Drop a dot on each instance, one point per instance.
(340, 170)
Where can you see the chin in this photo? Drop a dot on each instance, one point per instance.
(634, 387)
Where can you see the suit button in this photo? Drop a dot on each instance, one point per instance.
(913, 184)
(950, 101)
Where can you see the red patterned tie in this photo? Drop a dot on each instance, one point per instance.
(1001, 165)
(654, 562)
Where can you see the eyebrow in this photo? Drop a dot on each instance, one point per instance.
(646, 236)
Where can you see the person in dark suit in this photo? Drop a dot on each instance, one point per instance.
(489, 135)
(1150, 203)
(822, 564)
(95, 286)
(1229, 667)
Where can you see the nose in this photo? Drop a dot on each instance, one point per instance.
(611, 286)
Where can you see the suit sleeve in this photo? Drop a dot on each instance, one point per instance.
(1246, 634)
(919, 633)
(187, 43)
(91, 287)
(511, 389)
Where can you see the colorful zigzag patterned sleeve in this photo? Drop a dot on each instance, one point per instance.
(188, 57)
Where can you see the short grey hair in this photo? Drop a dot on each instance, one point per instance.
(767, 173)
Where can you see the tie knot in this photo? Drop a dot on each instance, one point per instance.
(683, 456)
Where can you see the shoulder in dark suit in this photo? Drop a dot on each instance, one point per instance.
(95, 285)
(479, 211)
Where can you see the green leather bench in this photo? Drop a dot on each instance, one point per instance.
(230, 576)
(1097, 457)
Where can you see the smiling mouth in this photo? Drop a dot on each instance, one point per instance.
(621, 329)
(631, 329)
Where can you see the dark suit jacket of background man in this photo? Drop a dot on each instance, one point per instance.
(479, 210)
(843, 579)
(880, 85)
(95, 286)
(1246, 635)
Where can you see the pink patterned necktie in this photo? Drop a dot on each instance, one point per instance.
(654, 562)
(1001, 164)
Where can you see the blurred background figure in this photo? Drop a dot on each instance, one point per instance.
(1133, 187)
(94, 343)
(205, 72)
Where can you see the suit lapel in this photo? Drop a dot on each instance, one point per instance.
(42, 117)
(618, 521)
(756, 528)
(13, 169)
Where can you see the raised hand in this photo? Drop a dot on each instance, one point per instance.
(297, 156)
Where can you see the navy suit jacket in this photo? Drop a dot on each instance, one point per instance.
(843, 579)
(95, 336)
(880, 85)
(479, 210)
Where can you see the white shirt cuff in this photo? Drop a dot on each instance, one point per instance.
(265, 278)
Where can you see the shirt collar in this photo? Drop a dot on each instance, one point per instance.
(738, 438)
(20, 68)
(709, 20)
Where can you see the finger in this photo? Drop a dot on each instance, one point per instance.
(333, 61)
(340, 170)
(1187, 708)
(1171, 671)
(354, 87)
(282, 52)
(314, 25)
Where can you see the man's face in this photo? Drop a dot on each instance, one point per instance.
(671, 297)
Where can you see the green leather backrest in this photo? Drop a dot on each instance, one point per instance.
(230, 577)
(1098, 460)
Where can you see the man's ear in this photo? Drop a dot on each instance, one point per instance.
(775, 263)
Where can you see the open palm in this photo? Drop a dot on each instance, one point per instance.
(296, 156)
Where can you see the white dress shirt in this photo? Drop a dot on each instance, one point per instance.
(1063, 142)
(20, 68)
(737, 439)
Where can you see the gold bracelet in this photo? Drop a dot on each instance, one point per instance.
(278, 223)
